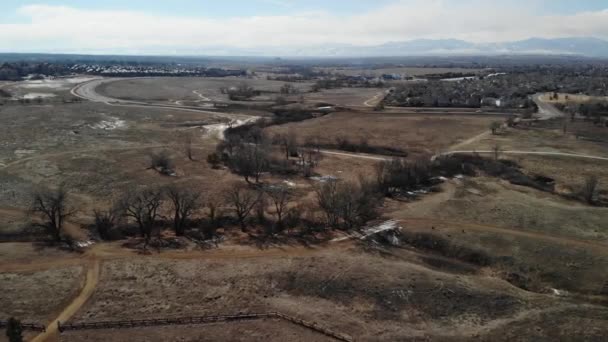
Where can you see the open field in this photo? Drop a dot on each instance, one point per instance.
(49, 90)
(541, 139)
(38, 295)
(343, 96)
(189, 89)
(416, 134)
(476, 258)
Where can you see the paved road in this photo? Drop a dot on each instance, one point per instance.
(88, 92)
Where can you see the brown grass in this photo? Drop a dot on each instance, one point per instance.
(417, 134)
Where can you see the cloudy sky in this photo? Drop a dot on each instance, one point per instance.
(199, 26)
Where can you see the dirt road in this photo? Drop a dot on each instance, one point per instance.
(91, 280)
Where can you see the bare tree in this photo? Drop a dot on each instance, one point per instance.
(188, 141)
(213, 203)
(280, 197)
(496, 149)
(250, 160)
(328, 201)
(348, 203)
(589, 189)
(144, 207)
(243, 200)
(289, 142)
(161, 162)
(309, 159)
(54, 207)
(105, 221)
(495, 126)
(184, 202)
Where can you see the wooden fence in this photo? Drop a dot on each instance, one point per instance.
(25, 326)
(202, 320)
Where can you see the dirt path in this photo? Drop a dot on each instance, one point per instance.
(92, 278)
(374, 99)
(469, 141)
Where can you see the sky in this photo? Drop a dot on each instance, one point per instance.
(208, 26)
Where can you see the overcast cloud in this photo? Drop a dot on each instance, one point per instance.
(67, 29)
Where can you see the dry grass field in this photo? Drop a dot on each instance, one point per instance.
(416, 134)
(189, 89)
(342, 96)
(482, 259)
(541, 139)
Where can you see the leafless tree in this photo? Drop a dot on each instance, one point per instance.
(161, 162)
(280, 197)
(348, 203)
(214, 203)
(251, 160)
(105, 221)
(184, 202)
(308, 160)
(496, 149)
(243, 200)
(260, 207)
(495, 126)
(589, 189)
(188, 149)
(54, 207)
(328, 201)
(289, 142)
(144, 207)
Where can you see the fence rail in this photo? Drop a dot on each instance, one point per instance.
(26, 326)
(202, 320)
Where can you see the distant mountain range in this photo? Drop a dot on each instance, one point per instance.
(589, 47)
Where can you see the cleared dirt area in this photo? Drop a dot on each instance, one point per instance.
(416, 134)
(189, 89)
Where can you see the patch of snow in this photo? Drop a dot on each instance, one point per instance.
(111, 124)
(289, 184)
(371, 230)
(22, 152)
(324, 179)
(382, 227)
(559, 293)
(217, 130)
(31, 96)
(84, 244)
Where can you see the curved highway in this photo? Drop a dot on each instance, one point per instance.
(88, 92)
